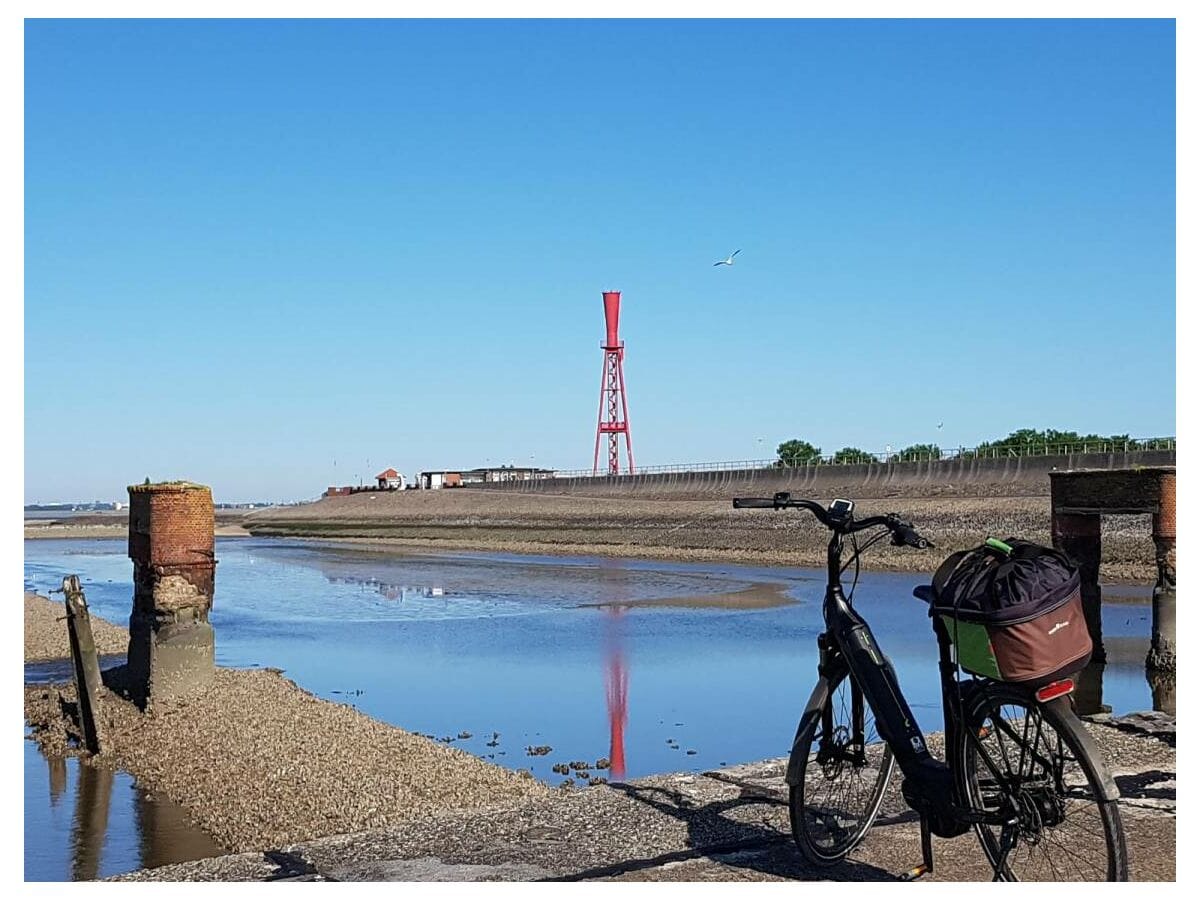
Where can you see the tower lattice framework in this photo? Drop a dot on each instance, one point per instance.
(613, 418)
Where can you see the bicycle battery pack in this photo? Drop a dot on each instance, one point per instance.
(874, 673)
(928, 783)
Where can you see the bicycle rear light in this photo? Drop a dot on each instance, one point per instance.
(1054, 689)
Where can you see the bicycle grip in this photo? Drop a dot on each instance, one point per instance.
(753, 503)
(907, 536)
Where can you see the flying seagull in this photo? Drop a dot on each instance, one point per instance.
(728, 261)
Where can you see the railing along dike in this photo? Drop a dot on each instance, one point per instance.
(884, 457)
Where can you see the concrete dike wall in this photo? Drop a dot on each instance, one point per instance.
(1013, 476)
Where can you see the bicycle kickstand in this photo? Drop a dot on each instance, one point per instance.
(926, 866)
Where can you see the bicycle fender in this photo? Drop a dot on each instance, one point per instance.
(808, 721)
(1108, 786)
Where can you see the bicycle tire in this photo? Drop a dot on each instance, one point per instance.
(1064, 814)
(824, 833)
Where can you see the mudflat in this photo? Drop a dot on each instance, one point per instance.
(115, 525)
(699, 530)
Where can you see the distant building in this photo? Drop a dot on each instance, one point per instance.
(506, 473)
(466, 477)
(443, 479)
(338, 491)
(390, 480)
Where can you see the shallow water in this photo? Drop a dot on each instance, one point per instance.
(568, 653)
(84, 822)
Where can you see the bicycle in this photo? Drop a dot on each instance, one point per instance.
(1020, 767)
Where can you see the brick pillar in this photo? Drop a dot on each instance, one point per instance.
(1078, 536)
(1161, 659)
(171, 545)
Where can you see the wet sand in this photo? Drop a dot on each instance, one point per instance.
(680, 530)
(46, 632)
(764, 595)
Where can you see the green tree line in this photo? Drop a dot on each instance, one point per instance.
(1022, 442)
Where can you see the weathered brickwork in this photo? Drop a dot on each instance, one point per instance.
(172, 547)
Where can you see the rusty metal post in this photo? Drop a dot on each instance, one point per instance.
(1161, 658)
(86, 662)
(1078, 536)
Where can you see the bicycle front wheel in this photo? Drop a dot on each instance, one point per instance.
(845, 767)
(1028, 761)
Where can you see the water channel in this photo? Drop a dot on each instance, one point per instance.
(655, 666)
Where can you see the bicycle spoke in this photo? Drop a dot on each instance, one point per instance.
(844, 780)
(1060, 831)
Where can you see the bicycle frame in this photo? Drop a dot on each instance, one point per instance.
(848, 647)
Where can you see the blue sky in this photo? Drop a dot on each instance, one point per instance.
(260, 254)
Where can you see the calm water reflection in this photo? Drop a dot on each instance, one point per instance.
(569, 653)
(84, 822)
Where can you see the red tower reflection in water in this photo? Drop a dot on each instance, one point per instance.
(616, 690)
(616, 673)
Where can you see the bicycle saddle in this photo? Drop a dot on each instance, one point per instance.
(924, 592)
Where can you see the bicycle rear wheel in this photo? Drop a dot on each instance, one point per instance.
(1034, 763)
(845, 767)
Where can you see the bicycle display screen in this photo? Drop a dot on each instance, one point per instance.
(841, 511)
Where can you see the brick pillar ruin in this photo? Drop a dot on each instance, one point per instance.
(171, 545)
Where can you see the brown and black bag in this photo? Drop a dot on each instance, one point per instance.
(1013, 611)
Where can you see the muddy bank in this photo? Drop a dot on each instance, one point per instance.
(116, 525)
(758, 596)
(38, 531)
(46, 632)
(257, 762)
(682, 530)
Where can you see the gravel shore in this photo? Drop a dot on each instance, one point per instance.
(257, 762)
(686, 530)
(729, 824)
(46, 632)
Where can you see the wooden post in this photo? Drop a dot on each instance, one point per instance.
(93, 797)
(86, 661)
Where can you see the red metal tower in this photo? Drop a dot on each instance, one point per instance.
(612, 392)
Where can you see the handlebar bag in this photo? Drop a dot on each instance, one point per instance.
(1013, 615)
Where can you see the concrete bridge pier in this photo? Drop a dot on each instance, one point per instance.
(1078, 536)
(1162, 642)
(1078, 499)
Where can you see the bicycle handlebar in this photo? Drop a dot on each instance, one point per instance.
(754, 503)
(903, 534)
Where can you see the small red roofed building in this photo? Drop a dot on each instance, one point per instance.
(390, 480)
